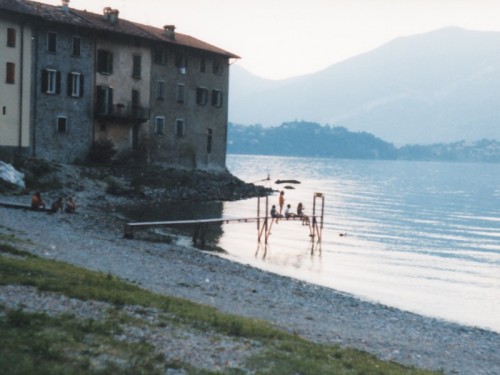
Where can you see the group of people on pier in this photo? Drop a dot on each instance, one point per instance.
(38, 203)
(287, 213)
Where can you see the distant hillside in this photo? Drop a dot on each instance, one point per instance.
(442, 86)
(313, 140)
(306, 139)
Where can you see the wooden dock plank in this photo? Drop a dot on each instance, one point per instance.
(194, 221)
(21, 206)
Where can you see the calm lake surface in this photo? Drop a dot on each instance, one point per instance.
(419, 236)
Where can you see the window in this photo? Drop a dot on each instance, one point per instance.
(11, 37)
(10, 76)
(52, 42)
(76, 46)
(136, 99)
(181, 63)
(180, 93)
(62, 124)
(160, 125)
(136, 67)
(51, 81)
(201, 96)
(75, 85)
(104, 105)
(160, 90)
(217, 98)
(209, 140)
(179, 128)
(104, 62)
(160, 56)
(203, 64)
(217, 67)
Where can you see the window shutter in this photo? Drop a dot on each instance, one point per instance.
(45, 80)
(100, 61)
(69, 84)
(58, 83)
(110, 62)
(110, 100)
(101, 106)
(81, 85)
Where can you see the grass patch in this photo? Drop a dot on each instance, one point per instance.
(9, 249)
(37, 343)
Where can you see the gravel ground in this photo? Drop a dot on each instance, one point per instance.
(95, 240)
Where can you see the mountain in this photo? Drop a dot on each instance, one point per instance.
(442, 86)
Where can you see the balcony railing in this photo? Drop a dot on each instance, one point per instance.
(122, 113)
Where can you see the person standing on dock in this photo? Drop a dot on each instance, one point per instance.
(281, 201)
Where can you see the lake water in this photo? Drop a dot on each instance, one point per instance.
(420, 236)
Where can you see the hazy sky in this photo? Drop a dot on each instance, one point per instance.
(283, 38)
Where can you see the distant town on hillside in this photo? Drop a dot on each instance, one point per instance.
(309, 139)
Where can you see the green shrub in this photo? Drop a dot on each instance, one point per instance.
(102, 151)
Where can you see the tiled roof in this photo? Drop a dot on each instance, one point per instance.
(97, 22)
(53, 13)
(39, 10)
(15, 6)
(121, 27)
(185, 40)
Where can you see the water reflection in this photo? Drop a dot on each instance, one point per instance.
(205, 236)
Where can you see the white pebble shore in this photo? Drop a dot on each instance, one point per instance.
(94, 240)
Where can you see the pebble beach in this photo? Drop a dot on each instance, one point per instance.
(93, 239)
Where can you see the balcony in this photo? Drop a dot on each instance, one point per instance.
(121, 113)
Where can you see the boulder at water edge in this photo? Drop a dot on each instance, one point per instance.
(10, 178)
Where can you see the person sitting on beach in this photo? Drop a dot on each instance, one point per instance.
(301, 214)
(275, 214)
(288, 214)
(37, 201)
(57, 205)
(70, 205)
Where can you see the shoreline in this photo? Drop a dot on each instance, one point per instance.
(94, 239)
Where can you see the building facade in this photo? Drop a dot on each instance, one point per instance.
(15, 81)
(63, 84)
(87, 77)
(189, 111)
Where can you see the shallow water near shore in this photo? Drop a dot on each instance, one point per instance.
(419, 236)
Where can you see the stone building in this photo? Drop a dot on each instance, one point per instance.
(61, 127)
(189, 108)
(87, 76)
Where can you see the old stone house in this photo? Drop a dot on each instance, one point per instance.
(75, 77)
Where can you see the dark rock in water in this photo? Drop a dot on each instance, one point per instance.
(289, 187)
(287, 182)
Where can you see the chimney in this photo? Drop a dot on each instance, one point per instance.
(65, 6)
(169, 31)
(111, 15)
